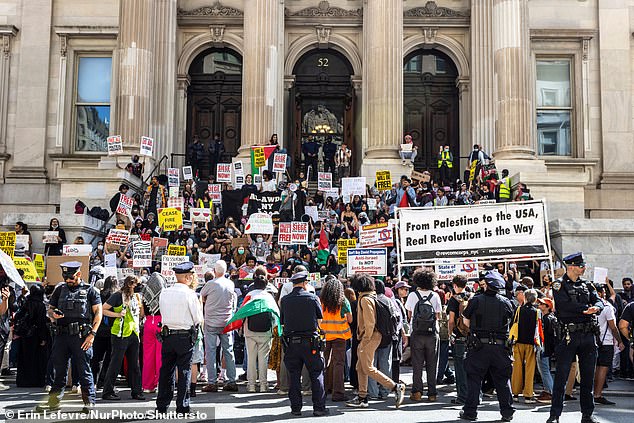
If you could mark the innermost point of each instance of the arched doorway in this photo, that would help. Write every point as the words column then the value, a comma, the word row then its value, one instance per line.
column 214, row 101
column 431, row 105
column 322, row 103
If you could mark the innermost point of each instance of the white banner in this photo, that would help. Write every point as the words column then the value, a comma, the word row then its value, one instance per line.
column 293, row 233
column 215, row 192
column 372, row 261
column 238, row 168
column 142, row 254
column 485, row 231
column 167, row 264
column 119, row 237
column 147, row 146
column 77, row 250
column 445, row 271
column 312, row 212
column 353, row 186
column 50, row 237
column 208, row 260
column 125, row 205
column 259, row 223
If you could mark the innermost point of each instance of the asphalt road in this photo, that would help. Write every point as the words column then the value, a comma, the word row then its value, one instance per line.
column 269, row 407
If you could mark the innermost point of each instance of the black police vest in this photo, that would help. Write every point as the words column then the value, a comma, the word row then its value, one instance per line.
column 488, row 317
column 578, row 294
column 74, row 304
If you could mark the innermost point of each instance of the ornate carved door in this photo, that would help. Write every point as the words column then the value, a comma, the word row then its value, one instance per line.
column 431, row 107
column 214, row 102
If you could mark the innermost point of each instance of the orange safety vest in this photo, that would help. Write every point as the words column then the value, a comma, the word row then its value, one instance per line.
column 335, row 326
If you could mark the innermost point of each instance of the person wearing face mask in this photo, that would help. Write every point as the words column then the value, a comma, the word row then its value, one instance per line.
column 260, row 247
column 97, row 257
column 185, row 240
column 55, row 249
column 445, row 164
column 240, row 256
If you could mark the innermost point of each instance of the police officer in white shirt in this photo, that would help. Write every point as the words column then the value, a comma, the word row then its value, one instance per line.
column 181, row 313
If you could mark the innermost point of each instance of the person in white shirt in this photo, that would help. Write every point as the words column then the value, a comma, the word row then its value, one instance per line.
column 220, row 301
column 424, row 340
column 181, row 312
column 609, row 336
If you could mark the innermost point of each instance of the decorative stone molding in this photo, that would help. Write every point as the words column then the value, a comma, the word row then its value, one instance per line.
column 432, row 10
column 429, row 34
column 7, row 32
column 323, row 35
column 63, row 44
column 585, row 49
column 217, row 33
column 324, row 10
column 217, row 10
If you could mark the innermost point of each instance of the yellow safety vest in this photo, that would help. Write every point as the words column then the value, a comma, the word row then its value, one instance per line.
column 505, row 190
column 201, row 205
column 335, row 326
column 444, row 157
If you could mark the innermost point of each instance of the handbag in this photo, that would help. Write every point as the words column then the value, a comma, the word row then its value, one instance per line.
column 515, row 328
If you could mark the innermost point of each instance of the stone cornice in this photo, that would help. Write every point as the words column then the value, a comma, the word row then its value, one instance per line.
column 210, row 14
column 432, row 10
column 8, row 30
column 325, row 14
column 562, row 34
column 87, row 31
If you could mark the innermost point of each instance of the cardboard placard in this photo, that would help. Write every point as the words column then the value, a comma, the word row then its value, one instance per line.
column 223, row 172
column 315, row 280
column 147, row 146
column 383, row 180
column 167, row 266
column 125, row 205
column 353, row 186
column 239, row 242
column 342, row 249
column 77, row 250
column 259, row 223
column 115, row 145
column 173, row 177
column 7, row 243
column 421, row 176
column 142, row 254
column 174, row 192
column 159, row 247
column 238, row 168
column 371, row 202
column 54, row 271
column 50, row 237
column 407, row 147
column 215, row 192
column 259, row 159
column 188, row 173
column 40, row 264
column 200, row 215
column 22, row 239
column 372, row 261
column 299, row 233
column 324, row 181
column 279, row 163
column 377, row 235
column 208, row 260
column 312, row 212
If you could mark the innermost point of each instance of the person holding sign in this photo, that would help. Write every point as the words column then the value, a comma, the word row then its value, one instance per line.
column 408, row 151
column 55, row 248
column 445, row 163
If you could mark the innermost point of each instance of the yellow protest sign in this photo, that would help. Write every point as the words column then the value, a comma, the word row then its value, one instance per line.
column 176, row 250
column 170, row 219
column 383, row 180
column 28, row 267
column 342, row 249
column 39, row 264
column 258, row 157
column 7, row 242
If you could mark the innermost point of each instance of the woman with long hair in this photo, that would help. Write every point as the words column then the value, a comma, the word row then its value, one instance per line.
column 125, row 308
column 336, row 324
column 55, row 249
column 30, row 326
column 101, row 346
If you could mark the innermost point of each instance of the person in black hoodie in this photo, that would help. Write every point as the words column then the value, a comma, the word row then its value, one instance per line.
column 31, row 326
column 55, row 249
column 101, row 347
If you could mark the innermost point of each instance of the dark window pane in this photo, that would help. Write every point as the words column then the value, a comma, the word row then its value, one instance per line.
column 93, row 81
column 553, row 133
column 93, row 127
column 222, row 62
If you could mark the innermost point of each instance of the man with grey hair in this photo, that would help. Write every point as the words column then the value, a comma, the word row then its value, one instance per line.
column 527, row 316
column 219, row 299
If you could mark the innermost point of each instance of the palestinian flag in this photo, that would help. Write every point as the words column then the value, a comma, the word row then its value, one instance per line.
column 261, row 302
column 260, row 153
column 323, row 253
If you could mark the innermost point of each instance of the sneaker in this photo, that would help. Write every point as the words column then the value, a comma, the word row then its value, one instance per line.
column 358, row 402
column 48, row 388
column 529, row 400
column 553, row 419
column 399, row 394
column 589, row 418
column 242, row 377
column 569, row 398
column 139, row 397
column 465, row 416
column 296, row 412
column 545, row 398
column 3, row 387
column 603, row 400
column 321, row 413
column 415, row 396
column 506, row 418
column 6, row 372
column 282, row 392
column 230, row 387
column 432, row 398
column 251, row 389
column 212, row 387
column 88, row 408
column 403, row 162
column 264, row 387
column 75, row 389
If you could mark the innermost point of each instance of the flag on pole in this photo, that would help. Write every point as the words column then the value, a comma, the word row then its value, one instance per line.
column 259, row 156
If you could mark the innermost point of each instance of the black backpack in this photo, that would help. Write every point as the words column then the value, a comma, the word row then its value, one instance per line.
column 424, row 316
column 22, row 323
column 260, row 322
column 386, row 321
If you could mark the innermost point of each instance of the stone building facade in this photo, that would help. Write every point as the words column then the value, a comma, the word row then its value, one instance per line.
column 544, row 85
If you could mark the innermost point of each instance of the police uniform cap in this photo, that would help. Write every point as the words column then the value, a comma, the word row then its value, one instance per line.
column 494, row 280
column 299, row 277
column 575, row 259
column 70, row 267
column 182, row 268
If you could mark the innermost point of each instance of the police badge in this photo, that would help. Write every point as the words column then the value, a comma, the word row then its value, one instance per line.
column 556, row 286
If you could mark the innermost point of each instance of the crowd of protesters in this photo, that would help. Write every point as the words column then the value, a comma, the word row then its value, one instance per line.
column 427, row 312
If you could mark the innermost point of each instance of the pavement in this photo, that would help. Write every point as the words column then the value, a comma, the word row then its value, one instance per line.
column 269, row 407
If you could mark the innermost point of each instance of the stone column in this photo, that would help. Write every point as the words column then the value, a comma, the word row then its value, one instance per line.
column 7, row 32
column 514, row 130
column 135, row 70
column 31, row 118
column 259, row 72
column 482, row 75
column 162, row 123
column 383, row 91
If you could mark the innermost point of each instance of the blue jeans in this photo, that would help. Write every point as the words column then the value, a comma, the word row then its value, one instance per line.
column 543, row 365
column 443, row 362
column 383, row 362
column 459, row 349
column 226, row 343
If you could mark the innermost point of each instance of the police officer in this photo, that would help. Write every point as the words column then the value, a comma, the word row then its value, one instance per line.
column 330, row 150
column 311, row 155
column 76, row 308
column 576, row 304
column 301, row 314
column 181, row 313
column 488, row 317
